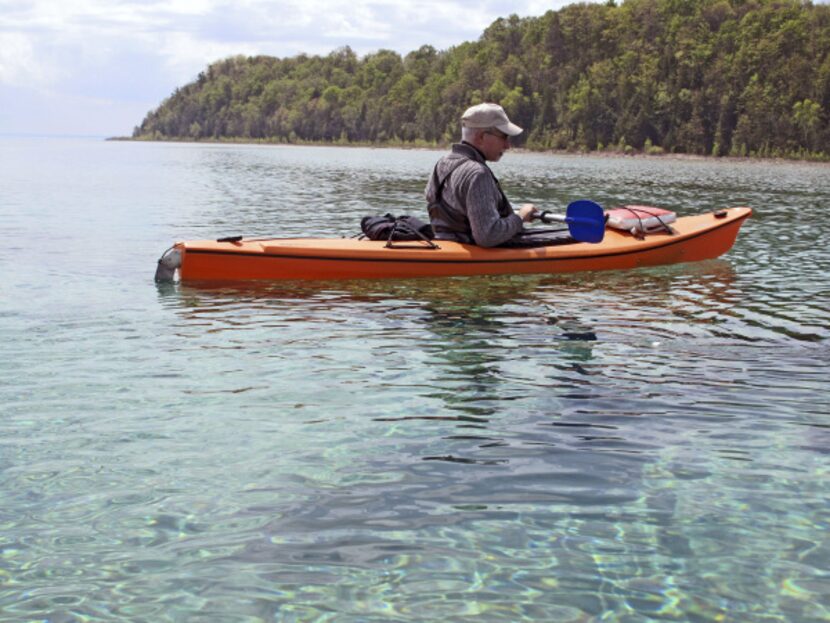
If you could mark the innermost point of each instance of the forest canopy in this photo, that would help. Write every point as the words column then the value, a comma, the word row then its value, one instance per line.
column 711, row 77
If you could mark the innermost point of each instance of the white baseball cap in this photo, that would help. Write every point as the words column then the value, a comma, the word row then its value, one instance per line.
column 489, row 116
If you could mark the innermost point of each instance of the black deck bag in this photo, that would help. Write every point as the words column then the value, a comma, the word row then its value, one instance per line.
column 390, row 227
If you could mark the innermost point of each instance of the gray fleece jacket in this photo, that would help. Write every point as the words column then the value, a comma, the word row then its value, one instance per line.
column 471, row 207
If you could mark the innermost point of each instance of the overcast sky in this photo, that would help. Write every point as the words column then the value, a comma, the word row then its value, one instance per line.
column 96, row 67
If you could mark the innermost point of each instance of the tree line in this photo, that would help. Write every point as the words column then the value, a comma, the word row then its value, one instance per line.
column 710, row 77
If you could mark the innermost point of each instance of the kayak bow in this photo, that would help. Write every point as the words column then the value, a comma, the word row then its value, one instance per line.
column 693, row 238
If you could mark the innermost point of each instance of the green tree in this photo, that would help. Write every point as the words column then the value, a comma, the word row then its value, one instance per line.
column 698, row 76
column 807, row 116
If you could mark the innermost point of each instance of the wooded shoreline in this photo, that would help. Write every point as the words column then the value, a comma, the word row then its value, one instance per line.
column 822, row 159
column 703, row 77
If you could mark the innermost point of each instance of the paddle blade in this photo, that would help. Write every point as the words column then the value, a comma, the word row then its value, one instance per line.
column 586, row 221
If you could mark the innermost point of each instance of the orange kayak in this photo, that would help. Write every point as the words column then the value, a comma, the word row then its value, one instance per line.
column 693, row 238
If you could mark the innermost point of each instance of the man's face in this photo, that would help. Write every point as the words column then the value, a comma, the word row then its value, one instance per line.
column 493, row 143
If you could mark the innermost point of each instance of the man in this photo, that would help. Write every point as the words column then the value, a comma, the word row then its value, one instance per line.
column 466, row 203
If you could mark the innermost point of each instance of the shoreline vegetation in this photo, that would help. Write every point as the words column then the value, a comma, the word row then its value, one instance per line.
column 722, row 78
column 612, row 151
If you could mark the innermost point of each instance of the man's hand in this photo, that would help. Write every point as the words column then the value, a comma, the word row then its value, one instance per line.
column 527, row 211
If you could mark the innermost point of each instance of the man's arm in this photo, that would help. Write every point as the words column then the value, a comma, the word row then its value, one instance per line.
column 489, row 228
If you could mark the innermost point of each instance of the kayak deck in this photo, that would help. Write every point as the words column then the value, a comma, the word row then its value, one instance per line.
column 695, row 238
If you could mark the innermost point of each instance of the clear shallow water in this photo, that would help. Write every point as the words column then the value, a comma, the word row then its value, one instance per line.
column 636, row 446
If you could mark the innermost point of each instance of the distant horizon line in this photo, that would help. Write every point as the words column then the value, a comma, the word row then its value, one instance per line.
column 48, row 135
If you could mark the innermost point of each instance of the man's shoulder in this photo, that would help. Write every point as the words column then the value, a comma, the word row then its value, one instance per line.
column 465, row 164
column 468, row 151
column 460, row 173
column 456, row 160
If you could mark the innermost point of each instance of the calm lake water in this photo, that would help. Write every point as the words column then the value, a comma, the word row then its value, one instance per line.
column 620, row 447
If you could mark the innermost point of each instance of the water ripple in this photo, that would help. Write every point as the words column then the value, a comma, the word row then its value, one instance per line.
column 645, row 445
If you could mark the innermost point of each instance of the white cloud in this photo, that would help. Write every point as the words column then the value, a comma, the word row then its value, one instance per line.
column 119, row 54
column 18, row 64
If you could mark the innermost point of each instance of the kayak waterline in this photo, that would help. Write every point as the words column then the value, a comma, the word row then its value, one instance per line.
column 689, row 239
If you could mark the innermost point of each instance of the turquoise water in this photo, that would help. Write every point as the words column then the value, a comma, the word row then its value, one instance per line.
column 621, row 447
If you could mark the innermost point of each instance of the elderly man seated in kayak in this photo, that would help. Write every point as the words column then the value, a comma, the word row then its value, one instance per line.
column 466, row 202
